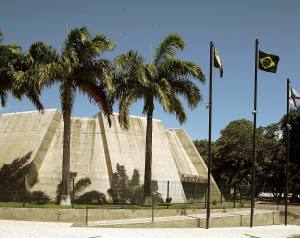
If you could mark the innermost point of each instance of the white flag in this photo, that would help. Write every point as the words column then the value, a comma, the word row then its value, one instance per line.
column 294, row 98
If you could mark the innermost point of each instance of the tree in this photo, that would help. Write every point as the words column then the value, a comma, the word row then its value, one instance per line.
column 271, row 172
column 164, row 81
column 232, row 160
column 78, row 67
column 202, row 147
column 294, row 122
column 16, row 70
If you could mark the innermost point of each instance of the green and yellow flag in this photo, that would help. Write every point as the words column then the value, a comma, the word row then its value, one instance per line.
column 217, row 62
column 268, row 62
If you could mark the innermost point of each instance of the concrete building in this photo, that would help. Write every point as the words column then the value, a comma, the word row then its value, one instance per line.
column 96, row 149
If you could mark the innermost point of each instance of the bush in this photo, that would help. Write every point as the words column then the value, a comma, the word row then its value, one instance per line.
column 130, row 191
column 242, row 203
column 38, row 197
column 91, row 198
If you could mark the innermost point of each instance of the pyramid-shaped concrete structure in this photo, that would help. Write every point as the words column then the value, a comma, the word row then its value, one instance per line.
column 96, row 149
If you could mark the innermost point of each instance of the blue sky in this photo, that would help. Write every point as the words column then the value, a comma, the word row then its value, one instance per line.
column 232, row 25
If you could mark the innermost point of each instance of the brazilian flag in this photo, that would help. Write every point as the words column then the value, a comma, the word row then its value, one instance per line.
column 268, row 62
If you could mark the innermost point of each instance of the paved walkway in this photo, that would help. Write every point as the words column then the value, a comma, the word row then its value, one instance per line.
column 173, row 218
column 26, row 229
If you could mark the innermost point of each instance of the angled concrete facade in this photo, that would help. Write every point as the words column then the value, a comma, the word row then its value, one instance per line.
column 96, row 149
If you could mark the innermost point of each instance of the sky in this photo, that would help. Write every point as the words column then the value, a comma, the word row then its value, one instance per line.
column 233, row 26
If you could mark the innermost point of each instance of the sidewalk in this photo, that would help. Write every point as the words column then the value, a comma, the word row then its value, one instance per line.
column 25, row 229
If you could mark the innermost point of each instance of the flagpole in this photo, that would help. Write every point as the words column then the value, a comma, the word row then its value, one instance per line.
column 209, row 135
column 287, row 150
column 254, row 137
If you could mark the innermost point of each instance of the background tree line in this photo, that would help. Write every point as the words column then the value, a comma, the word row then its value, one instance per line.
column 232, row 155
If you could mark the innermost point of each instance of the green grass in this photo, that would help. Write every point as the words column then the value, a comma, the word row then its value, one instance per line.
column 225, row 205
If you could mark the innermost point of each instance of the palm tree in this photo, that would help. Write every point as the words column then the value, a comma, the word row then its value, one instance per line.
column 16, row 69
column 164, row 81
column 78, row 67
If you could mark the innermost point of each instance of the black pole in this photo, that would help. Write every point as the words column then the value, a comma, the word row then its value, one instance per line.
column 24, row 191
column 168, row 189
column 73, row 191
column 234, row 195
column 254, row 137
column 209, row 135
column 287, row 150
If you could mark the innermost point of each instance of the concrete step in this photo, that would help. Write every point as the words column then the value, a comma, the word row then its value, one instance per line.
column 229, row 219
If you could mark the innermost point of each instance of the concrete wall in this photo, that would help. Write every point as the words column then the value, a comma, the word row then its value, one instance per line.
column 96, row 149
column 195, row 219
column 197, row 160
column 128, row 148
column 87, row 157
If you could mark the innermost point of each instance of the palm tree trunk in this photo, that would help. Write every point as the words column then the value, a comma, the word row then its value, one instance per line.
column 65, row 188
column 148, row 159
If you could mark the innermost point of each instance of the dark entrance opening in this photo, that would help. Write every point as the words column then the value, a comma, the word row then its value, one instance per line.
column 194, row 191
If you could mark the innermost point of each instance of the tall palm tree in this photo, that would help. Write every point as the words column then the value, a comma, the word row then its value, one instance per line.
column 15, row 70
column 165, row 81
column 78, row 67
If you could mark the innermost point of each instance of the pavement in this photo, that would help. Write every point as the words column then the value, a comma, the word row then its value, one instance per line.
column 174, row 218
column 29, row 229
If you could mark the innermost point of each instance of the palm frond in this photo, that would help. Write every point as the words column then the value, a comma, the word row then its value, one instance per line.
column 42, row 53
column 131, row 64
column 178, row 109
column 188, row 90
column 175, row 68
column 33, row 96
column 126, row 101
column 163, row 93
column 25, row 85
column 101, row 43
column 81, row 184
column 168, row 48
column 13, row 48
column 98, row 94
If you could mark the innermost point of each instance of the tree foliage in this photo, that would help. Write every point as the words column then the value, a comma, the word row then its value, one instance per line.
column 294, row 132
column 17, row 70
column 232, row 156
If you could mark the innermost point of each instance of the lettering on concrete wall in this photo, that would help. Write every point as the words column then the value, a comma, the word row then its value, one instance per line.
column 193, row 178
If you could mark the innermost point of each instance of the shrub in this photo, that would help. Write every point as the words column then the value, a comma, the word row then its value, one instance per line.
column 91, row 198
column 242, row 203
column 38, row 197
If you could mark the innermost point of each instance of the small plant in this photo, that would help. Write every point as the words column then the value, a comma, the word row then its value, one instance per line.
column 91, row 198
column 38, row 197
column 242, row 203
column 214, row 202
column 130, row 191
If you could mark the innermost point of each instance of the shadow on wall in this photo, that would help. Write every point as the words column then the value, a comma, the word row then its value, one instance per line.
column 16, row 180
column 129, row 191
column 78, row 197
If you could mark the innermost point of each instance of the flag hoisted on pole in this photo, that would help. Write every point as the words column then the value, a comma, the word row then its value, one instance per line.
column 217, row 62
column 214, row 56
column 265, row 62
column 294, row 97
